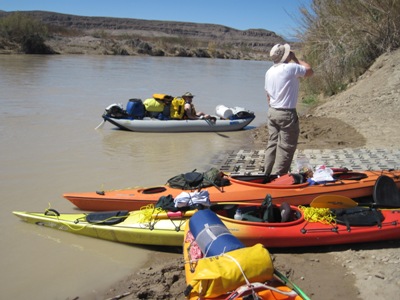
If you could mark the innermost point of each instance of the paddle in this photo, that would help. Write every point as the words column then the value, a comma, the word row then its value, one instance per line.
column 209, row 122
column 333, row 201
column 292, row 285
column 336, row 201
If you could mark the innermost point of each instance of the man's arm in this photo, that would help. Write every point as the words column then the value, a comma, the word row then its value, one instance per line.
column 309, row 70
column 188, row 112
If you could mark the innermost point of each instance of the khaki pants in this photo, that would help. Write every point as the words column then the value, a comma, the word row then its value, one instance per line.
column 284, row 129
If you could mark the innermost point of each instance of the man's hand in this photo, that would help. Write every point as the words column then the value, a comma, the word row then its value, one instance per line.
column 293, row 57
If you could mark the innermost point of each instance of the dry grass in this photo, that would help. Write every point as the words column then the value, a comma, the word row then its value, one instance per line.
column 341, row 38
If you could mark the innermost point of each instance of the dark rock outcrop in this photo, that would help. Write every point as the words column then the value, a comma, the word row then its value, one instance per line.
column 123, row 36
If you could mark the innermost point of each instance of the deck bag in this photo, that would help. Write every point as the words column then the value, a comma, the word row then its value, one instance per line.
column 166, row 203
column 135, row 108
column 115, row 110
column 107, row 217
column 358, row 216
column 195, row 180
column 212, row 236
column 177, row 109
column 216, row 275
column 241, row 113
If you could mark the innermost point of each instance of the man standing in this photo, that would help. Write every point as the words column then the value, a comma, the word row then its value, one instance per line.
column 282, row 88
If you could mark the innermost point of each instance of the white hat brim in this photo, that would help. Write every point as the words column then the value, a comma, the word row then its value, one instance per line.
column 286, row 54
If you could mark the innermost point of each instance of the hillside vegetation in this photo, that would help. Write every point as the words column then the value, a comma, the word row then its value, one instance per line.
column 341, row 39
column 69, row 34
column 23, row 34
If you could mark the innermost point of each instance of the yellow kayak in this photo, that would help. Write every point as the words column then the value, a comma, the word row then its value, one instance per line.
column 145, row 227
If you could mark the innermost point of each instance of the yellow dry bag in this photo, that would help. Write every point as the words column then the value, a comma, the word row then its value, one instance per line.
column 217, row 275
column 163, row 97
column 177, row 108
column 153, row 105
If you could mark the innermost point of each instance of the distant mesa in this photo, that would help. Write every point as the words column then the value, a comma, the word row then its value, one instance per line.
column 71, row 34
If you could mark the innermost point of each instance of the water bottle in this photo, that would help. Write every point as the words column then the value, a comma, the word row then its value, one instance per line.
column 238, row 214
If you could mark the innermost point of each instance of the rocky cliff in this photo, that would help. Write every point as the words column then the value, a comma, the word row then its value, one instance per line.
column 123, row 36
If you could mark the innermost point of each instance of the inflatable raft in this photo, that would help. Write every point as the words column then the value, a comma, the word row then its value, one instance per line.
column 200, row 125
column 166, row 114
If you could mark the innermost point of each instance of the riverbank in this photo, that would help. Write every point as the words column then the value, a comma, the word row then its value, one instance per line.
column 363, row 116
column 72, row 34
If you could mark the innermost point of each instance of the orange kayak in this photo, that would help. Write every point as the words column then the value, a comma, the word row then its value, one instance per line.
column 241, row 189
column 348, row 226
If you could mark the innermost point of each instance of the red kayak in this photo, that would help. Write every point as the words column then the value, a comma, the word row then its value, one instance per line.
column 286, row 188
column 300, row 227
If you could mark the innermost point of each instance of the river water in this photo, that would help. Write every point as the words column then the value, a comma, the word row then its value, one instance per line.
column 49, row 107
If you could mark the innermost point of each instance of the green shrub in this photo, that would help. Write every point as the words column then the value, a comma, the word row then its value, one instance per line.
column 310, row 99
column 25, row 31
column 341, row 38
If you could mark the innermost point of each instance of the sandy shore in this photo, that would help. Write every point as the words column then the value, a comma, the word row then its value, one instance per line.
column 364, row 116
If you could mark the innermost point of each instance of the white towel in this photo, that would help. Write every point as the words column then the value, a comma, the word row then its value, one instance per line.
column 187, row 199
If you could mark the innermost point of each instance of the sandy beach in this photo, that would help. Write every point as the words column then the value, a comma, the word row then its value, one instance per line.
column 363, row 116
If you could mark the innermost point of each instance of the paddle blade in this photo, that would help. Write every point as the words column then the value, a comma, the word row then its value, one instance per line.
column 333, row 201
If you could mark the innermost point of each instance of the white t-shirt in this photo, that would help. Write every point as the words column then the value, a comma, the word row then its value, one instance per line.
column 282, row 84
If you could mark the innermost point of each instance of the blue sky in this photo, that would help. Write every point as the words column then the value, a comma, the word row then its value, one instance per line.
column 280, row 16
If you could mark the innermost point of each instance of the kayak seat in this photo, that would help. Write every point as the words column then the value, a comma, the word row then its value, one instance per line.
column 386, row 193
column 285, row 212
column 107, row 217
column 269, row 215
column 281, row 214
column 276, row 214
column 297, row 178
column 266, row 212
column 252, row 214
